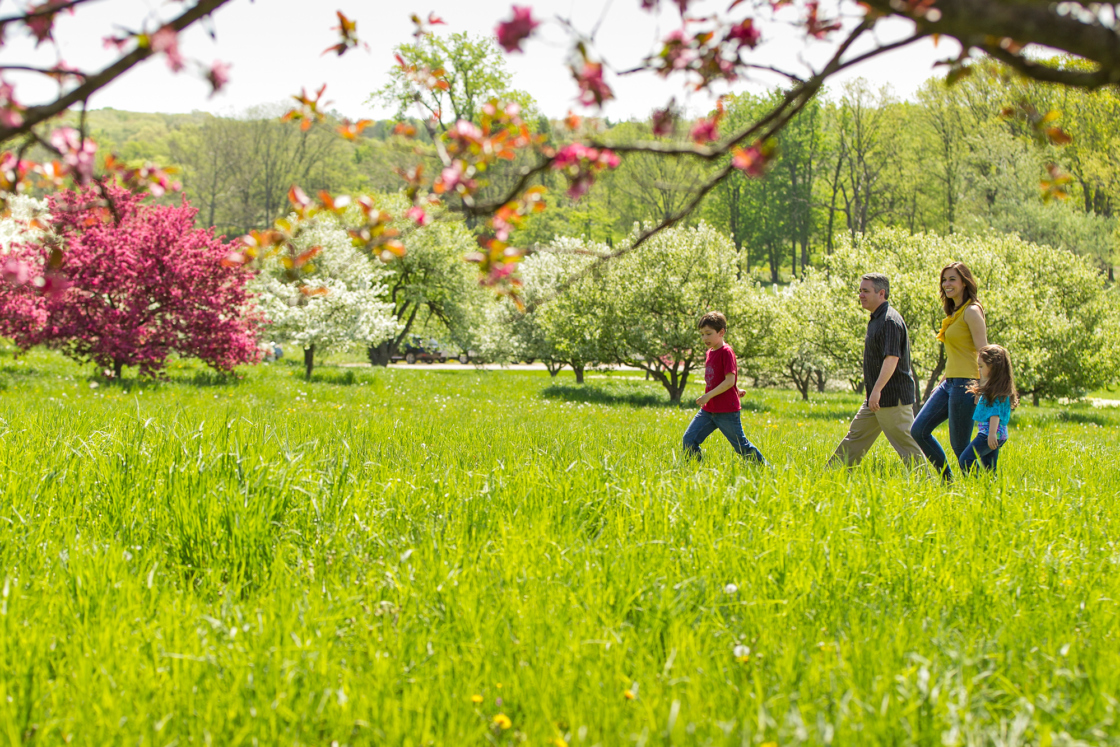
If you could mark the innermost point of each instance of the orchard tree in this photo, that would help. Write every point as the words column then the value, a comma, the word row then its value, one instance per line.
column 569, row 301
column 655, row 295
column 327, row 296
column 430, row 282
column 716, row 44
column 1048, row 307
column 129, row 286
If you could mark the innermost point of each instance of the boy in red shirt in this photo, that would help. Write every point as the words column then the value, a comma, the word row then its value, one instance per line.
column 719, row 404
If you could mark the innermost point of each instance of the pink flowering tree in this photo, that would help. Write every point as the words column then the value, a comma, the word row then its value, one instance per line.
column 129, row 286
column 718, row 43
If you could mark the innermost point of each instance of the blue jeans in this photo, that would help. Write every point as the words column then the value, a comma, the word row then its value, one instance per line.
column 949, row 401
column 729, row 424
column 979, row 449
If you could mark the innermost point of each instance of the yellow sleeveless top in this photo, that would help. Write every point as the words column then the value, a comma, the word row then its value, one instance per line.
column 960, row 350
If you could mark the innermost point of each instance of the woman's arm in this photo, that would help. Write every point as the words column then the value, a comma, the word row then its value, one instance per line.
column 974, row 318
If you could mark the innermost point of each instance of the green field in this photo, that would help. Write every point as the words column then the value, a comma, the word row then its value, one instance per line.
column 410, row 557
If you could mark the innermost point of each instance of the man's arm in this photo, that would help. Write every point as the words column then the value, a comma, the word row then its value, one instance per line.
column 727, row 383
column 890, row 363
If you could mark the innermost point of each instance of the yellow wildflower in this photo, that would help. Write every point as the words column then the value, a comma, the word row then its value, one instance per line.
column 476, row 699
column 502, row 721
column 558, row 742
column 629, row 694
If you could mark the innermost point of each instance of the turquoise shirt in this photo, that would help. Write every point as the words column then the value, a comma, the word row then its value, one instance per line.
column 1001, row 408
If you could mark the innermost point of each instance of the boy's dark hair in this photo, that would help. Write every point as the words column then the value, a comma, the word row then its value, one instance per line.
column 879, row 282
column 713, row 320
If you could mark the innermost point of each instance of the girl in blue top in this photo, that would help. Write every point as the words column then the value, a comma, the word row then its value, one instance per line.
column 995, row 397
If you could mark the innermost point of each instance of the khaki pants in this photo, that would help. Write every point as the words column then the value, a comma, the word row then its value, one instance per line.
column 894, row 423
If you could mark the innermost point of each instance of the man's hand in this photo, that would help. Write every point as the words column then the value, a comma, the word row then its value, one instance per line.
column 703, row 399
column 993, row 441
column 873, row 400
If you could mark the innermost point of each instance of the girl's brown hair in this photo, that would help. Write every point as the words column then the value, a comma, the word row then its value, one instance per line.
column 1001, row 379
column 970, row 292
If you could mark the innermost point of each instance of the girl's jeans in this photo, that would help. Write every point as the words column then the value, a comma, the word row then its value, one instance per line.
column 979, row 449
column 949, row 401
column 729, row 424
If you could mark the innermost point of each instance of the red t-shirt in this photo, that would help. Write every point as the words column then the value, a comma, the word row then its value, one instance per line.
column 718, row 364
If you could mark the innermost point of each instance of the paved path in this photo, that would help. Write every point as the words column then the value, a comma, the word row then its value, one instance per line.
column 455, row 366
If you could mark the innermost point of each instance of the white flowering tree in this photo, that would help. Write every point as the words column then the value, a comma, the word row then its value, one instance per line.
column 563, row 293
column 430, row 285
column 23, row 221
column 326, row 298
column 656, row 294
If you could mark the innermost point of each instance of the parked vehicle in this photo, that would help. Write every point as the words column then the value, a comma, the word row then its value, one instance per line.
column 419, row 350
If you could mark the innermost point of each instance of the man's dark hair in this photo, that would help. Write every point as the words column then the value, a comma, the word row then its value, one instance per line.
column 713, row 320
column 880, row 282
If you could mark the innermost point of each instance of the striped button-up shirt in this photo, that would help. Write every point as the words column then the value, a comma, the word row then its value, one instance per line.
column 887, row 335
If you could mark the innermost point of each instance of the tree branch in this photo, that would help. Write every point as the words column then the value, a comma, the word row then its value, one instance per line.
column 37, row 114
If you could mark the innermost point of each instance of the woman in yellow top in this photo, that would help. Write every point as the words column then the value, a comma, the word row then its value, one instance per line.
column 963, row 332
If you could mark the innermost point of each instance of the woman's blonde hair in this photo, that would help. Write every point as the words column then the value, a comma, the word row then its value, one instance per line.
column 1001, row 378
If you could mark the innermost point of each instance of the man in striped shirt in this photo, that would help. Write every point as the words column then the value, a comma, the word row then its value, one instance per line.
column 888, row 408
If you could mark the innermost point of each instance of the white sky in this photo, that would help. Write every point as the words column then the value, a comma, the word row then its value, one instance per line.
column 275, row 48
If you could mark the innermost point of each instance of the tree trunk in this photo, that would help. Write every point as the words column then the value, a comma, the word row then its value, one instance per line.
column 553, row 367
column 1034, row 398
column 118, row 368
column 579, row 372
column 822, row 379
column 380, row 355
column 308, row 360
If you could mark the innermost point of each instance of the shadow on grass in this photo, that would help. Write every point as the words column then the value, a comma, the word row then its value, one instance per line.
column 349, row 377
column 620, row 394
column 1051, row 417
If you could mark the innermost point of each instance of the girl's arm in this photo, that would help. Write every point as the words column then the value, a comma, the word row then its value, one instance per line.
column 974, row 318
column 993, row 431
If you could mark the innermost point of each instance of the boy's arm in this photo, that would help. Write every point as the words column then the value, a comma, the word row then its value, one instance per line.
column 727, row 383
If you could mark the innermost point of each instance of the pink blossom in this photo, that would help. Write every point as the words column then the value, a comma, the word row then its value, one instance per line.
column 704, row 131
column 166, row 40
column 130, row 292
column 15, row 271
column 9, row 108
column 664, row 122
column 512, row 32
column 417, row 214
column 77, row 155
column 218, row 76
column 746, row 33
column 752, row 161
column 592, row 88
column 466, row 130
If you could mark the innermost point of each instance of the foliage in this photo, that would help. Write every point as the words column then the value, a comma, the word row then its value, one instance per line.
column 430, row 285
column 565, row 295
column 1048, row 306
column 133, row 285
column 656, row 294
column 329, row 298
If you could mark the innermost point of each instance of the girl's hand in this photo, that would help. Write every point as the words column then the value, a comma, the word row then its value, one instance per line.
column 993, row 442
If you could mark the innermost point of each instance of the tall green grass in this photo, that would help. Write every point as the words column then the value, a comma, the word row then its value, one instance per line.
column 361, row 558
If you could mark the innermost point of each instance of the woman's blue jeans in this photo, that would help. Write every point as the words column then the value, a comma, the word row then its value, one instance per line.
column 949, row 401
column 729, row 424
column 979, row 450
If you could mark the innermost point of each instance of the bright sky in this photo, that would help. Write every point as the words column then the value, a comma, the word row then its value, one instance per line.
column 275, row 48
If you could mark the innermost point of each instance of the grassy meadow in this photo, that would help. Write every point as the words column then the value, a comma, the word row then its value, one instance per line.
column 412, row 557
